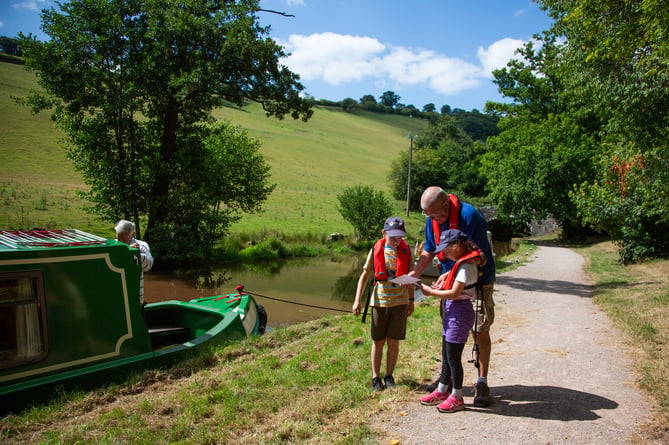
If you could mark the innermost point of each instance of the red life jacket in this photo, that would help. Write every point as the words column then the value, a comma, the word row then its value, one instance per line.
column 453, row 222
column 466, row 258
column 403, row 259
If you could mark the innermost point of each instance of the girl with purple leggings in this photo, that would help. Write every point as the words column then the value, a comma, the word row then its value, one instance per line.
column 457, row 289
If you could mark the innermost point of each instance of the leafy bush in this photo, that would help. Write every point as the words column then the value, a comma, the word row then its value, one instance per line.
column 259, row 252
column 366, row 209
column 275, row 249
column 620, row 204
column 302, row 250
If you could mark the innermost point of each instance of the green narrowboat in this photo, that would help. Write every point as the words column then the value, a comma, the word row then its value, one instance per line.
column 70, row 315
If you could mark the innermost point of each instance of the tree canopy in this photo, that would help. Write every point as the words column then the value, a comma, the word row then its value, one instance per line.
column 429, row 108
column 368, row 98
column 133, row 83
column 443, row 154
column 618, row 57
column 478, row 126
column 588, row 123
column 390, row 99
column 10, row 46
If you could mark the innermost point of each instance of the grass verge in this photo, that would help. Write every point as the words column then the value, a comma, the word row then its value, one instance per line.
column 636, row 299
column 306, row 383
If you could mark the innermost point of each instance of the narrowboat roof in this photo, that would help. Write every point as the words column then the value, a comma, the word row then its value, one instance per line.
column 11, row 240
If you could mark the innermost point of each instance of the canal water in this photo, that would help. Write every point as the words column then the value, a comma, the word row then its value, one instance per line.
column 288, row 290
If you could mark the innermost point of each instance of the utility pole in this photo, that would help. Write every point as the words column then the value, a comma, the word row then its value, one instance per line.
column 409, row 173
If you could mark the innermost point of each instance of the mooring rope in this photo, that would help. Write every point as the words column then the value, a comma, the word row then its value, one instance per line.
column 294, row 302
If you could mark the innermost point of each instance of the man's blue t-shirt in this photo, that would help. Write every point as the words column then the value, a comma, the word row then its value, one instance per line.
column 474, row 225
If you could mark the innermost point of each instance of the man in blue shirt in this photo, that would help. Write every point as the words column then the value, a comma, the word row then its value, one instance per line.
column 445, row 211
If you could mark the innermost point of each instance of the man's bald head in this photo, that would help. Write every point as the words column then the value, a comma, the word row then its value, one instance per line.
column 431, row 196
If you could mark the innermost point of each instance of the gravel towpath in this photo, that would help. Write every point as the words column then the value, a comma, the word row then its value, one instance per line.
column 561, row 373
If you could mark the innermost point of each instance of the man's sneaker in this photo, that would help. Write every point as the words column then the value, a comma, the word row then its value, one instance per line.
column 451, row 405
column 434, row 398
column 377, row 384
column 389, row 381
column 482, row 397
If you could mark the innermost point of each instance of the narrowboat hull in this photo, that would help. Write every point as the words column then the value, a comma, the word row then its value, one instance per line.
column 70, row 316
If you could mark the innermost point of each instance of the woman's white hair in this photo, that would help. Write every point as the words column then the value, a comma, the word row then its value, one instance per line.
column 124, row 226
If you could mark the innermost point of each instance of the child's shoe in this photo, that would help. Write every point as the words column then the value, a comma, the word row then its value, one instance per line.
column 377, row 384
column 434, row 398
column 451, row 405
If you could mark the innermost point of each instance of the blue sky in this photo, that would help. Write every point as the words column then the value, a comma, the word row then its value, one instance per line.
column 426, row 51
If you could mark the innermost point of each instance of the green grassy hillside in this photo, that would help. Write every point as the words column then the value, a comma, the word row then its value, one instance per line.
column 311, row 163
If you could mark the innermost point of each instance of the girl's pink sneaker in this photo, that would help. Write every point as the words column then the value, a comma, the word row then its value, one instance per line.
column 434, row 398
column 451, row 405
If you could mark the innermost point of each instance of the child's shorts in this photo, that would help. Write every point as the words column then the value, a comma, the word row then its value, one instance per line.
column 389, row 322
column 458, row 320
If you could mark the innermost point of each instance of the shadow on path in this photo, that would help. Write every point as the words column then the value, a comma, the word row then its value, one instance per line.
column 545, row 402
column 550, row 286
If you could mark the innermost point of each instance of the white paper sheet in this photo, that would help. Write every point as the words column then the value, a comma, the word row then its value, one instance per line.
column 405, row 279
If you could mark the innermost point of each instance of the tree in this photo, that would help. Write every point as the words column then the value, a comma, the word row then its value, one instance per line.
column 533, row 81
column 445, row 109
column 390, row 99
column 133, row 83
column 429, row 108
column 477, row 125
column 349, row 104
column 407, row 110
column 593, row 90
column 443, row 155
column 366, row 209
column 616, row 68
column 445, row 127
column 547, row 142
column 368, row 98
column 10, row 46
column 532, row 167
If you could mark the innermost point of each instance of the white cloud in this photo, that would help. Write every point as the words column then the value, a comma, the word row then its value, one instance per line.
column 2, row 24
column 498, row 54
column 443, row 74
column 32, row 5
column 337, row 59
column 334, row 58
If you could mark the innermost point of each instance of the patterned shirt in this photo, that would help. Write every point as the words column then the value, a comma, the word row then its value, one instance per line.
column 387, row 294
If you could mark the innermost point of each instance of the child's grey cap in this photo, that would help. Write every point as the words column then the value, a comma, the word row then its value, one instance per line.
column 450, row 236
column 394, row 226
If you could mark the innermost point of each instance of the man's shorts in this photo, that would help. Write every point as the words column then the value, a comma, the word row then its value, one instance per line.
column 389, row 322
column 485, row 309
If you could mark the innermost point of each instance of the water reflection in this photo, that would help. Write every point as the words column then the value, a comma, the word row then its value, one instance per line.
column 320, row 282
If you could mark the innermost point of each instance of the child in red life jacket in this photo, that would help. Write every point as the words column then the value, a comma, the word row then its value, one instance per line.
column 391, row 303
column 457, row 290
